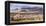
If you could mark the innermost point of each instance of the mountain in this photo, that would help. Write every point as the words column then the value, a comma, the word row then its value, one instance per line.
column 29, row 9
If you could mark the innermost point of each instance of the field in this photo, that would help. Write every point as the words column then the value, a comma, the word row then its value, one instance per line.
column 25, row 17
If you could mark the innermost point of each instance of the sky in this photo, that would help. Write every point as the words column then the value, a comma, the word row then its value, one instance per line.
column 13, row 6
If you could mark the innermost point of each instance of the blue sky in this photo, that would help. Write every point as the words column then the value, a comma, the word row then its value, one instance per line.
column 16, row 5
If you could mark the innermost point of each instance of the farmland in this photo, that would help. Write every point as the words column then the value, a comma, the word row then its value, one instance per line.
column 25, row 17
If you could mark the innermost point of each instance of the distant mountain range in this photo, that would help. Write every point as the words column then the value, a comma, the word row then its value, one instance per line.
column 29, row 9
